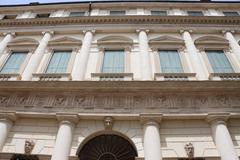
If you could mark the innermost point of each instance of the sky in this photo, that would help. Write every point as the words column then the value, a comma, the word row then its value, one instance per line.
column 6, row 2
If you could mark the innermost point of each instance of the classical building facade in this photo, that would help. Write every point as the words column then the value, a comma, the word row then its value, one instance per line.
column 110, row 80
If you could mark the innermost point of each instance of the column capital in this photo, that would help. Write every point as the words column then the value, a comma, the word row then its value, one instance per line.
column 8, row 116
column 90, row 30
column 186, row 30
column 217, row 117
column 226, row 31
column 50, row 32
column 67, row 118
column 10, row 33
column 143, row 29
column 151, row 118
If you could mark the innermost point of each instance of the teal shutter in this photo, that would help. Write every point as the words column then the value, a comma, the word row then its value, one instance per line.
column 59, row 62
column 113, row 62
column 219, row 62
column 170, row 61
column 14, row 62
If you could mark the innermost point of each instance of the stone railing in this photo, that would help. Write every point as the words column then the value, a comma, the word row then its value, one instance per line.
column 112, row 76
column 175, row 76
column 225, row 76
column 10, row 77
column 51, row 77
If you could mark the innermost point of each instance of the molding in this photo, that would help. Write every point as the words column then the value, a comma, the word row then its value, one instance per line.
column 50, row 32
column 142, row 29
column 92, row 31
column 11, row 33
column 128, row 19
column 10, row 116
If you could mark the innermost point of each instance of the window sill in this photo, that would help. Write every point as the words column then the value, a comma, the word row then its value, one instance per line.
column 10, row 76
column 174, row 76
column 52, row 77
column 225, row 76
column 112, row 76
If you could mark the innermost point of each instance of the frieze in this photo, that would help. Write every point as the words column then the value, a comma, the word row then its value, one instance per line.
column 164, row 103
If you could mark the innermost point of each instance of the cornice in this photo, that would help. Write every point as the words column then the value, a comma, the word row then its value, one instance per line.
column 123, row 86
column 211, row 20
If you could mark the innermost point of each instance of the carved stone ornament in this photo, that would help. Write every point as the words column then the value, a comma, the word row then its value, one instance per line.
column 108, row 123
column 189, row 150
column 29, row 145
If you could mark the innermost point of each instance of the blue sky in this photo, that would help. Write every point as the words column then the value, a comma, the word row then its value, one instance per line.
column 5, row 2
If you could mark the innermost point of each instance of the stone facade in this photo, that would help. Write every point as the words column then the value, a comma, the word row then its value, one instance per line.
column 156, row 113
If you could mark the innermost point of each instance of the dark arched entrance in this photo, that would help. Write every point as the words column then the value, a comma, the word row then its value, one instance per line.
column 107, row 147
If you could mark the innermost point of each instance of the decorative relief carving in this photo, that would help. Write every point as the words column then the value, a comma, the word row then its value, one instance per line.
column 124, row 103
column 108, row 123
column 60, row 101
column 189, row 150
column 29, row 145
column 4, row 99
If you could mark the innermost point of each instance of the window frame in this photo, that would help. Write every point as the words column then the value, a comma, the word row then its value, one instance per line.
column 195, row 12
column 125, row 12
column 84, row 13
column 159, row 11
column 223, row 12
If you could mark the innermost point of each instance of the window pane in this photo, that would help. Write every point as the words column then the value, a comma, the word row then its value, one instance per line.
column 159, row 13
column 117, row 13
column 231, row 13
column 76, row 14
column 113, row 62
column 59, row 62
column 195, row 13
column 170, row 61
column 14, row 62
column 219, row 62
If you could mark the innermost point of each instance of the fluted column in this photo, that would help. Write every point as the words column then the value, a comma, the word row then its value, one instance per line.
column 233, row 43
column 146, row 73
column 6, row 122
column 222, row 136
column 36, row 57
column 194, row 56
column 63, row 142
column 151, row 137
column 81, row 61
column 3, row 44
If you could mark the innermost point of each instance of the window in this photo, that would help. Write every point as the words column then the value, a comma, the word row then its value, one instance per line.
column 219, row 62
column 159, row 13
column 14, row 62
column 170, row 61
column 10, row 17
column 43, row 15
column 76, row 14
column 117, row 13
column 195, row 13
column 231, row 13
column 59, row 62
column 113, row 61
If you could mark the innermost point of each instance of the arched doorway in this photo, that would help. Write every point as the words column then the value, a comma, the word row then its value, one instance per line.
column 107, row 147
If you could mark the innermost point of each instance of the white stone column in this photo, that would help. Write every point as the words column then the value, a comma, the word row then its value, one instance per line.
column 222, row 136
column 194, row 56
column 3, row 44
column 36, row 57
column 233, row 43
column 64, row 137
column 151, row 137
column 81, row 61
column 146, row 73
column 6, row 122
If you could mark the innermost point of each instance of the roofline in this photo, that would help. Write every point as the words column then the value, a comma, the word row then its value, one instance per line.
column 117, row 1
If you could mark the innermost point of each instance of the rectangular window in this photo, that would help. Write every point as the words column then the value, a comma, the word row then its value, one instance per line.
column 117, row 13
column 159, row 13
column 14, row 62
column 10, row 17
column 219, row 62
column 170, row 61
column 59, row 62
column 195, row 13
column 43, row 15
column 76, row 14
column 113, row 62
column 231, row 13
